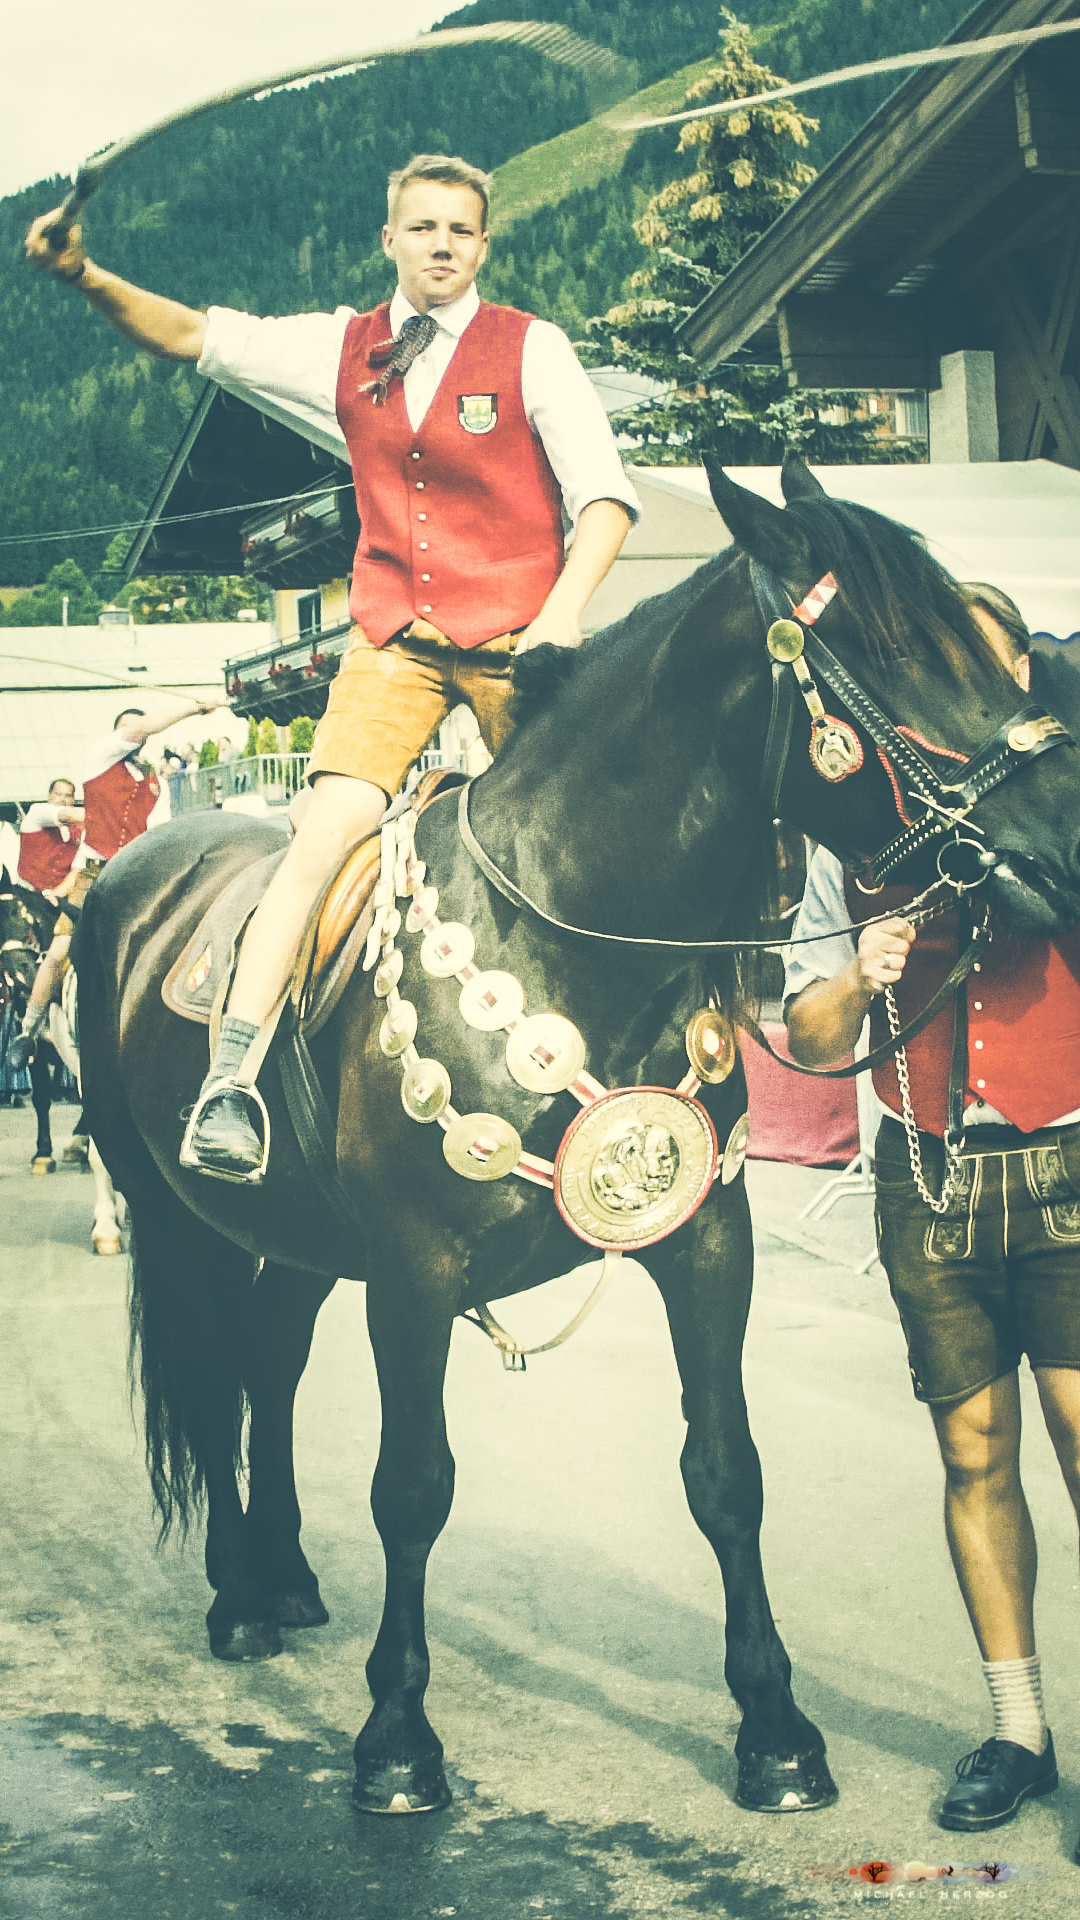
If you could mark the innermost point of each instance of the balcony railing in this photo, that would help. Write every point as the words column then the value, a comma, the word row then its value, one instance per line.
column 275, row 778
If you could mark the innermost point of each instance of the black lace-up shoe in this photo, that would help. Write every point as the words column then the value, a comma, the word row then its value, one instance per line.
column 223, row 1140
column 992, row 1782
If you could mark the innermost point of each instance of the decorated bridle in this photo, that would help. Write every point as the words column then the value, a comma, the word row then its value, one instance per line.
column 836, row 750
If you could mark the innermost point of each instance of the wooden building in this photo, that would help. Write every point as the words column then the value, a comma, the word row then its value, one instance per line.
column 940, row 250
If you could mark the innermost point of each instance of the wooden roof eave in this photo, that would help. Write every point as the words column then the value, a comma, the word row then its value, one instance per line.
column 892, row 147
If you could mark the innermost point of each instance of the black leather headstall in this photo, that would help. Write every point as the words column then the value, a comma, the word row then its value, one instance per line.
column 948, row 803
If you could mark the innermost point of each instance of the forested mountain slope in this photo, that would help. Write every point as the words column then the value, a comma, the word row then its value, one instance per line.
column 274, row 204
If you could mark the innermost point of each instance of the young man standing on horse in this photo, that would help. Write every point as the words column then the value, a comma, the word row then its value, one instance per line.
column 119, row 795
column 472, row 428
column 996, row 1272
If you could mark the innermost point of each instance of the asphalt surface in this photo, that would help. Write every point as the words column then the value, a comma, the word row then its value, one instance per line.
column 575, row 1620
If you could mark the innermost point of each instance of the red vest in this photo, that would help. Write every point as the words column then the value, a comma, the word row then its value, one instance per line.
column 1023, row 1020
column 45, row 857
column 117, row 808
column 461, row 521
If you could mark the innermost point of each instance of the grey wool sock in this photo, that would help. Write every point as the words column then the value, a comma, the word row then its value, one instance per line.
column 234, row 1039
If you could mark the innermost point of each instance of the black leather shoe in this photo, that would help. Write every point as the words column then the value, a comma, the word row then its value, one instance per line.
column 224, row 1141
column 992, row 1782
column 21, row 1052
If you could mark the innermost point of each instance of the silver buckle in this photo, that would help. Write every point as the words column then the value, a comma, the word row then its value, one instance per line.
column 188, row 1156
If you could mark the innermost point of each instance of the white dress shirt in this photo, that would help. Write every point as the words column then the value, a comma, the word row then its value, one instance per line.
column 297, row 358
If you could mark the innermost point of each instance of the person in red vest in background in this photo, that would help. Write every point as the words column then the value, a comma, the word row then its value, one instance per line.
column 473, row 430
column 49, row 838
column 994, row 1272
column 120, row 792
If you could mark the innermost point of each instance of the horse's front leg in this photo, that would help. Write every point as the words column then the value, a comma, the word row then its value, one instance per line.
column 281, row 1321
column 41, row 1090
column 705, row 1275
column 398, row 1756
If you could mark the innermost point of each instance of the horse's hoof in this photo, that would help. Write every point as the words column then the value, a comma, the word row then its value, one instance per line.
column 419, row 1788
column 300, row 1610
column 768, row 1784
column 77, row 1151
column 41, row 1164
column 246, row 1640
column 106, row 1243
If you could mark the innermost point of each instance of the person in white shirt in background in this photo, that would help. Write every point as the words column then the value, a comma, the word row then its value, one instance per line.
column 462, row 496
column 119, row 794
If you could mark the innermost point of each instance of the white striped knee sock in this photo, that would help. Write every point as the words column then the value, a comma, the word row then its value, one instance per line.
column 1016, row 1695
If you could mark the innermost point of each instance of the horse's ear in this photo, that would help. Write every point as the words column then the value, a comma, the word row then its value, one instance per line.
column 763, row 531
column 797, row 480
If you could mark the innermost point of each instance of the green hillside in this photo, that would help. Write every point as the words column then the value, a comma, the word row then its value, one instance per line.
column 274, row 205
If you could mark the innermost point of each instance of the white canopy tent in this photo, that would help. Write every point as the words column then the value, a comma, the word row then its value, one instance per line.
column 1014, row 524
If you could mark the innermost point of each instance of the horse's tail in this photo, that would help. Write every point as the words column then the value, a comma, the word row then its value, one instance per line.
column 190, row 1296
column 190, row 1288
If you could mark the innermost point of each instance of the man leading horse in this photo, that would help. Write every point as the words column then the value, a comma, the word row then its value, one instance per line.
column 472, row 429
column 983, row 1264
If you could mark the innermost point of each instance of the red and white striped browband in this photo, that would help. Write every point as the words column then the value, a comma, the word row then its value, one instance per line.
column 816, row 601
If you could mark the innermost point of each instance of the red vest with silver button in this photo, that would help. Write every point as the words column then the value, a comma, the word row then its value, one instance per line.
column 461, row 521
column 117, row 807
column 1023, row 1020
column 45, row 857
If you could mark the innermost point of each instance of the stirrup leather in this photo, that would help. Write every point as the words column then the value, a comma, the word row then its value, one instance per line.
column 190, row 1159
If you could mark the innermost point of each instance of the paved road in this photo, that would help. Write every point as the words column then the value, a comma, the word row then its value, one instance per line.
column 575, row 1621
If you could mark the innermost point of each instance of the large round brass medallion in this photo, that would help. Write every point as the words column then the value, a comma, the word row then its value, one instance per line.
column 633, row 1166
column 545, row 1053
column 481, row 1146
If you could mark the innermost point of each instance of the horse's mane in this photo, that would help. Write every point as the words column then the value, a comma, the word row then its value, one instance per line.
column 900, row 596
column 902, row 600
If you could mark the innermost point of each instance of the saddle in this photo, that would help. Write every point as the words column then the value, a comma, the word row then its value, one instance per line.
column 197, row 984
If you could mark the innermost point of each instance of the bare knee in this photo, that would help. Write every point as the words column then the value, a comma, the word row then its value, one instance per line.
column 980, row 1439
column 340, row 813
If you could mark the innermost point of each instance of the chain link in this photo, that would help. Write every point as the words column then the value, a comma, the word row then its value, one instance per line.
column 952, row 1158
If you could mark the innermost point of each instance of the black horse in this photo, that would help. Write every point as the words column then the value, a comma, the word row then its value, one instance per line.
column 629, row 807
column 26, row 927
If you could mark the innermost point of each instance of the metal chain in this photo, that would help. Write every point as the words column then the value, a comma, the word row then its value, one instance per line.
column 952, row 1159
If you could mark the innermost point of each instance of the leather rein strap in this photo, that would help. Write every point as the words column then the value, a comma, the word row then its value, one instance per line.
column 888, row 1048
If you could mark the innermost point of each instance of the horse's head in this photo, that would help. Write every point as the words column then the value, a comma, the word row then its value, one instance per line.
column 900, row 627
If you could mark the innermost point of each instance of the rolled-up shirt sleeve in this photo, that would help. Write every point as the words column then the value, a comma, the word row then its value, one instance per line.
column 565, row 410
column 823, row 910
column 295, row 358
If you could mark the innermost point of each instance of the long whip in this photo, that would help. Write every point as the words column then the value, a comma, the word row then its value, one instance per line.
column 868, row 69
column 556, row 43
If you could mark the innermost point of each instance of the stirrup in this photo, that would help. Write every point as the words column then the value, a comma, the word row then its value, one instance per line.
column 190, row 1159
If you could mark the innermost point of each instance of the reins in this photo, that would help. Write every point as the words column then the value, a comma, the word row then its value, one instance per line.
column 519, row 898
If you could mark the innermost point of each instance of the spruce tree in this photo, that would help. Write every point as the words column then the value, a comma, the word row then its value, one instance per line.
column 744, row 170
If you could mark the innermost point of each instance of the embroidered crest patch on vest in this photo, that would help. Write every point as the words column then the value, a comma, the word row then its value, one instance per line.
column 478, row 412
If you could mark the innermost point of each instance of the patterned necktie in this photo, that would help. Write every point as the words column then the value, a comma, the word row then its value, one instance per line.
column 397, row 356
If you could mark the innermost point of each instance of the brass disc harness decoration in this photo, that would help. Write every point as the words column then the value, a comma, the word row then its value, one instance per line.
column 835, row 748
column 633, row 1165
